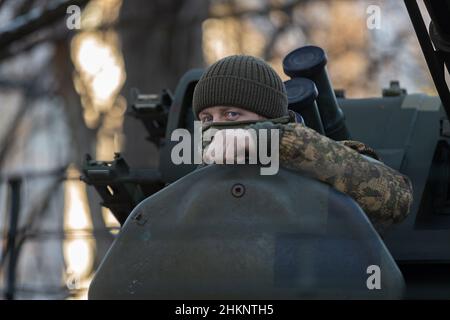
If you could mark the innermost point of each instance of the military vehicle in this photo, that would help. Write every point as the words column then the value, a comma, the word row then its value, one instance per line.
column 226, row 232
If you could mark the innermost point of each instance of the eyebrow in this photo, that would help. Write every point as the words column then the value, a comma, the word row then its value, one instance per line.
column 231, row 108
column 220, row 109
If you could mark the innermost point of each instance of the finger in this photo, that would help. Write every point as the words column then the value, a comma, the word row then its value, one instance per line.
column 207, row 155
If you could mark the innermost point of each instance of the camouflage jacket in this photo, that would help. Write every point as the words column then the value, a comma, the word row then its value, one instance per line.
column 350, row 167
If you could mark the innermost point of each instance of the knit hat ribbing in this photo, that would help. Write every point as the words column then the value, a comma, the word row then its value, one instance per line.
column 241, row 81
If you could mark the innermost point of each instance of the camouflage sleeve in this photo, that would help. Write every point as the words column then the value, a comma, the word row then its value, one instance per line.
column 384, row 194
column 361, row 148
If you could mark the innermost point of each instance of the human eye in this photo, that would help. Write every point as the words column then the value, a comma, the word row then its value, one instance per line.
column 231, row 115
column 206, row 118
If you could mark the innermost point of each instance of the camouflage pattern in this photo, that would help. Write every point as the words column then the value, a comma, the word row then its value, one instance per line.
column 361, row 148
column 383, row 193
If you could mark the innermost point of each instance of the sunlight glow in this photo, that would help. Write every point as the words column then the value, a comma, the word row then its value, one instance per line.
column 100, row 69
column 78, row 249
column 98, row 78
column 110, row 220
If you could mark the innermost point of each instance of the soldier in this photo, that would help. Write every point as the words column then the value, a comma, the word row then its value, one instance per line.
column 243, row 88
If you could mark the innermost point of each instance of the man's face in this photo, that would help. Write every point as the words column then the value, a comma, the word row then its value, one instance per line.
column 224, row 113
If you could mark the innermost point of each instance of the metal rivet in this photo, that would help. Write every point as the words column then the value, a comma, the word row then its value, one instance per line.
column 140, row 218
column 238, row 190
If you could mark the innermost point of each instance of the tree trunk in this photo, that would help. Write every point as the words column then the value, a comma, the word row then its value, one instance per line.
column 161, row 40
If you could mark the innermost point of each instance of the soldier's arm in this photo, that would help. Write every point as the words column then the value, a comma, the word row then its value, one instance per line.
column 382, row 192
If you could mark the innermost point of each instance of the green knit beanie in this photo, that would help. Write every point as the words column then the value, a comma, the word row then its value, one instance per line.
column 241, row 81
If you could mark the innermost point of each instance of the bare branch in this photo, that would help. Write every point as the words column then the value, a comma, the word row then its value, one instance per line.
column 32, row 41
column 11, row 132
column 25, row 7
column 34, row 20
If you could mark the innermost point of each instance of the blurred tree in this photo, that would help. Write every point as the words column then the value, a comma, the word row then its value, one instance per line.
column 160, row 41
column 47, row 133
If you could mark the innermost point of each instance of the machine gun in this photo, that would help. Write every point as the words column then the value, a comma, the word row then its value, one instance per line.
column 120, row 187
column 152, row 110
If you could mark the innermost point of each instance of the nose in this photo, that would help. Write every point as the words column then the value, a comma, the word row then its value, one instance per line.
column 217, row 118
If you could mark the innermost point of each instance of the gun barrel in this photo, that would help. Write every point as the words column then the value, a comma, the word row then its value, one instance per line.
column 310, row 62
column 302, row 94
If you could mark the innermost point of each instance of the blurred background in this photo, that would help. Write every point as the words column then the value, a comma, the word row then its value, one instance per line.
column 64, row 89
